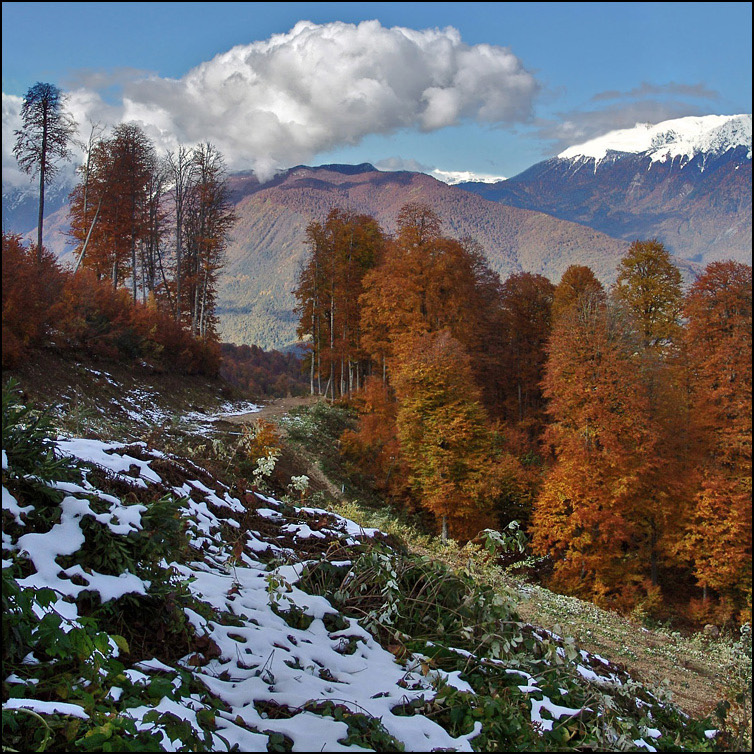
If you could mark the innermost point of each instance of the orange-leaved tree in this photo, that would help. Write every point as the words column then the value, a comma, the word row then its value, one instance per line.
column 598, row 514
column 341, row 251
column 425, row 283
column 577, row 281
column 526, row 321
column 718, row 308
column 455, row 468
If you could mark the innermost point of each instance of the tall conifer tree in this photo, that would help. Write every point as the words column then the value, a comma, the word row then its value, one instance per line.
column 43, row 140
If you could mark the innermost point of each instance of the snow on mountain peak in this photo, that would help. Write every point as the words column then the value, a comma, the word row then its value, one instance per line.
column 681, row 137
column 452, row 177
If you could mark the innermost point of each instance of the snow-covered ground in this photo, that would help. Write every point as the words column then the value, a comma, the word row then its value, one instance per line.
column 261, row 659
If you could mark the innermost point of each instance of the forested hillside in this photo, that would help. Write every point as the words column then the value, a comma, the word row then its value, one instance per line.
column 195, row 603
column 613, row 425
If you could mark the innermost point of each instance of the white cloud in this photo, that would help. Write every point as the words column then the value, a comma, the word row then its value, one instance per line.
column 393, row 164
column 579, row 126
column 12, row 176
column 446, row 176
column 276, row 103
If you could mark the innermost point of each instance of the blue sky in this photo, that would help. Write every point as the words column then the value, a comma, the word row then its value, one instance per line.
column 529, row 79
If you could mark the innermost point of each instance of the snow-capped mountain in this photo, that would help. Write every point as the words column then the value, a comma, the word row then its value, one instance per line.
column 454, row 177
column 685, row 181
column 684, row 138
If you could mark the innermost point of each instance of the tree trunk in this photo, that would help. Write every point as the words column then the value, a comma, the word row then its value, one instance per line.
column 653, row 557
column 83, row 248
column 311, row 367
column 42, row 175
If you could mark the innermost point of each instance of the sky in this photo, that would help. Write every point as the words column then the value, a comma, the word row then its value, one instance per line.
column 484, row 88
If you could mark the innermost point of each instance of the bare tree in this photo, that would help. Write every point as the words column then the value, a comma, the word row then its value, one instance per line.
column 43, row 140
column 209, row 217
column 181, row 170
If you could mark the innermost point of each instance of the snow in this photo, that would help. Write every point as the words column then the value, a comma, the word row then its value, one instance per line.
column 65, row 538
column 681, row 137
column 641, row 742
column 452, row 177
column 555, row 710
column 105, row 456
column 48, row 708
column 11, row 505
column 264, row 659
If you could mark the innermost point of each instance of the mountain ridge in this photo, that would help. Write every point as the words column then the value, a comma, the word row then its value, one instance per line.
column 679, row 181
column 267, row 244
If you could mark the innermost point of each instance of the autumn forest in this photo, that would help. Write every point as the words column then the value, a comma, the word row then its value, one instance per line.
column 613, row 425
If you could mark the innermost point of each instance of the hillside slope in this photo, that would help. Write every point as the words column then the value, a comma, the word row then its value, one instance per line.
column 189, row 614
column 277, row 582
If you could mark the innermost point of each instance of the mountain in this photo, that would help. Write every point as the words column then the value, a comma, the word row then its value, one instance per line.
column 21, row 204
column 267, row 246
column 266, row 250
column 685, row 181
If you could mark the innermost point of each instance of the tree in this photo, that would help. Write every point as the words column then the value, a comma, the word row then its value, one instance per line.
column 601, row 514
column 374, row 446
column 526, row 301
column 118, row 180
column 649, row 284
column 43, row 140
column 208, row 219
column 342, row 250
column 577, row 281
column 181, row 170
column 718, row 308
column 425, row 283
column 444, row 434
column 133, row 165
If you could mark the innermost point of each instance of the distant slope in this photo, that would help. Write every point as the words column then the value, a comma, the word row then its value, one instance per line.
column 266, row 250
column 685, row 181
column 267, row 246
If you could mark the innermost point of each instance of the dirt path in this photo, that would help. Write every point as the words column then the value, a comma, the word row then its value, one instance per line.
column 273, row 409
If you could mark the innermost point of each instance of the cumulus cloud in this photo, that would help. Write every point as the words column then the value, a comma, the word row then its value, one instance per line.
column 645, row 103
column 12, row 176
column 278, row 102
column 446, row 176
column 401, row 163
